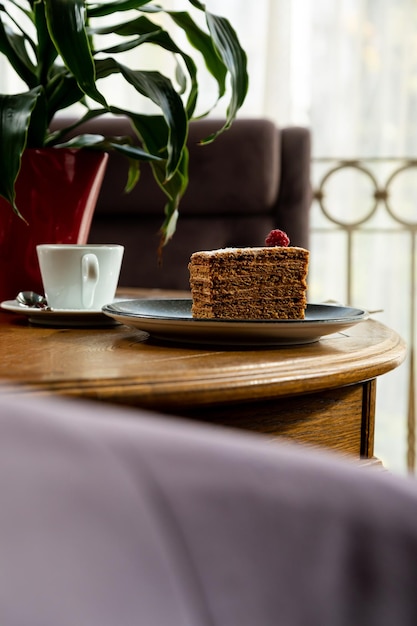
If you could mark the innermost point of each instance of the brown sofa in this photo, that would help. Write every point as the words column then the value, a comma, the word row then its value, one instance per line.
column 253, row 178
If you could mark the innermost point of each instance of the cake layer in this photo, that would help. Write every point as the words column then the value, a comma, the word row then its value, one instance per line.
column 228, row 291
column 248, row 309
column 264, row 275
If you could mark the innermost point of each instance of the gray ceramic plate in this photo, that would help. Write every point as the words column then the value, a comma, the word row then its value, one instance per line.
column 171, row 320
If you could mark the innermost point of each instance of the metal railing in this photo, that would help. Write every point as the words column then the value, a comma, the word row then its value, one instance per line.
column 363, row 253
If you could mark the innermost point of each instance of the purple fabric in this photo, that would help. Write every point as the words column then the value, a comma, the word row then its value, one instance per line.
column 114, row 516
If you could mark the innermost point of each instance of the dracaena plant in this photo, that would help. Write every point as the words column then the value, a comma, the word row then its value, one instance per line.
column 64, row 49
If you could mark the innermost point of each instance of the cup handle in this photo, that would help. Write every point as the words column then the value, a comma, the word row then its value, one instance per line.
column 90, row 276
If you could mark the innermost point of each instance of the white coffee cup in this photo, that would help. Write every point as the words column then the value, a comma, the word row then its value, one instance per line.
column 78, row 276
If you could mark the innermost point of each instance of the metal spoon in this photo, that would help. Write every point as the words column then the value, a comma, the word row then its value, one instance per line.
column 32, row 299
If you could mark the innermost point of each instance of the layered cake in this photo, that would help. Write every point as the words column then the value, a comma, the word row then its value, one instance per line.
column 268, row 282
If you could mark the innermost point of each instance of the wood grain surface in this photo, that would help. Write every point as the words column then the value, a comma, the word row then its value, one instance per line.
column 321, row 393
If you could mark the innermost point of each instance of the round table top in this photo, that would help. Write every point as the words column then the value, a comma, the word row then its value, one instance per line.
column 123, row 365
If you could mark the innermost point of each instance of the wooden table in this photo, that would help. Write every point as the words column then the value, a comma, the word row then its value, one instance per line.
column 322, row 393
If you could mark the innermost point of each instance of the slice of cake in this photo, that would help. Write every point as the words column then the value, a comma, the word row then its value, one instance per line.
column 250, row 283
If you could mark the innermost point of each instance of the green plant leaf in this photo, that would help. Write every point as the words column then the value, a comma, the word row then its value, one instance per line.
column 37, row 124
column 15, row 114
column 99, row 10
column 151, row 33
column 122, row 145
column 58, row 136
column 134, row 153
column 61, row 91
column 159, row 89
column 202, row 42
column 174, row 189
column 232, row 56
column 46, row 52
column 12, row 45
column 66, row 24
column 234, row 59
column 153, row 132
column 133, row 175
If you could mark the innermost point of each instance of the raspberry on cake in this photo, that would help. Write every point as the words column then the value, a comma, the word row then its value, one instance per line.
column 277, row 238
column 267, row 282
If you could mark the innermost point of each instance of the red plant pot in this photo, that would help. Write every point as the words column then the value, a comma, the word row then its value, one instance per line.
column 56, row 192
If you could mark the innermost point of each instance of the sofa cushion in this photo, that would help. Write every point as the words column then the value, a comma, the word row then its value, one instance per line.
column 248, row 183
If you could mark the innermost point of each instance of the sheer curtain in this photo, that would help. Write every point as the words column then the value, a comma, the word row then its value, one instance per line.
column 348, row 69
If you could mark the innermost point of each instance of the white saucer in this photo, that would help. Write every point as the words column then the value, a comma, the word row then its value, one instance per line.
column 59, row 317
